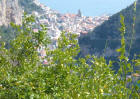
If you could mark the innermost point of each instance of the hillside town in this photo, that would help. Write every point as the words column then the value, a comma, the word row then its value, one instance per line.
column 57, row 22
column 74, row 23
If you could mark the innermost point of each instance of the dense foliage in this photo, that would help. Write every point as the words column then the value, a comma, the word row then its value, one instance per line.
column 7, row 33
column 23, row 76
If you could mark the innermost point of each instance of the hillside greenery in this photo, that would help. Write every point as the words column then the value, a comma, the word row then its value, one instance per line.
column 107, row 35
column 28, row 6
column 23, row 76
column 7, row 34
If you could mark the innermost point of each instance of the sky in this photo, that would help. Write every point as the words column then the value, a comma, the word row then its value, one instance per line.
column 88, row 7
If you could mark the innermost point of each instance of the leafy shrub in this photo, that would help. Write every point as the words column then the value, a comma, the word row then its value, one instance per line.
column 23, row 76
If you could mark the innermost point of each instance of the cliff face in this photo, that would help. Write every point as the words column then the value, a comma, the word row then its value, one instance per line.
column 10, row 11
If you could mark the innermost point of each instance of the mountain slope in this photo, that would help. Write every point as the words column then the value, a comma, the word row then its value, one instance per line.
column 55, row 21
column 29, row 6
column 10, row 11
column 105, row 39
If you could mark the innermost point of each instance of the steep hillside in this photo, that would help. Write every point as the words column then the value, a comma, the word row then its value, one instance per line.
column 29, row 6
column 55, row 21
column 10, row 11
column 105, row 39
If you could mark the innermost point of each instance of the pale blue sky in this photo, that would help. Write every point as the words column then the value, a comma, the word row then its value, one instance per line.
column 88, row 7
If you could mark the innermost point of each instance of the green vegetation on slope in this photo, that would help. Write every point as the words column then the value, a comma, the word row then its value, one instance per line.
column 7, row 34
column 23, row 76
column 108, row 35
column 29, row 6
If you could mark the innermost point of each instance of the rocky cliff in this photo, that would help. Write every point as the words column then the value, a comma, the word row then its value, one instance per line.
column 10, row 11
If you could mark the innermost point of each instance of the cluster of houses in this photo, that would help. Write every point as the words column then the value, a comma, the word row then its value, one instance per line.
column 74, row 23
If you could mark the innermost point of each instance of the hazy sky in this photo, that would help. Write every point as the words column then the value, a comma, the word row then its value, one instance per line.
column 88, row 7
